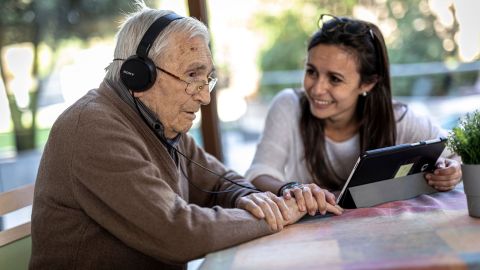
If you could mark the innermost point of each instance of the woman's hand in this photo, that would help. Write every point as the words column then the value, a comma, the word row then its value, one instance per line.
column 312, row 198
column 446, row 176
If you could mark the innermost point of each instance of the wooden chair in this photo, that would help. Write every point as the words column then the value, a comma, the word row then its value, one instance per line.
column 15, row 243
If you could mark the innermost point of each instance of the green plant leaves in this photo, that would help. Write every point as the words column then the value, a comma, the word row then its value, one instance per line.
column 465, row 138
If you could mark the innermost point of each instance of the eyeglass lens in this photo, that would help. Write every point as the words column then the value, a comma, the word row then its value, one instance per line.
column 197, row 86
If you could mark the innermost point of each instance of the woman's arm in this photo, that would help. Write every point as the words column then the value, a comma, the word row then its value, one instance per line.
column 267, row 183
column 273, row 150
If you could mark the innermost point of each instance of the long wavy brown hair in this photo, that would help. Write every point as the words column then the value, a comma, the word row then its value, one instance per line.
column 374, row 111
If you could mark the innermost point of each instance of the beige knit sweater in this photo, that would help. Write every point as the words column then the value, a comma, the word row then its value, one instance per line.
column 109, row 196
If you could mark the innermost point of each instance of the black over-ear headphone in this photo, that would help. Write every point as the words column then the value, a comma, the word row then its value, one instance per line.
column 138, row 73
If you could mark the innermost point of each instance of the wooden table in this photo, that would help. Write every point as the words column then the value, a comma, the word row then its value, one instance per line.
column 430, row 231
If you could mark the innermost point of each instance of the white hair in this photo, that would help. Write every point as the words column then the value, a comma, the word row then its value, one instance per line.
column 136, row 24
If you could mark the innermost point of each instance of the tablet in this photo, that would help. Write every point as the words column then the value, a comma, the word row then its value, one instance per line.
column 391, row 173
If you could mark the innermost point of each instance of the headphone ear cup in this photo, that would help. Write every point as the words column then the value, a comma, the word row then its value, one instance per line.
column 138, row 74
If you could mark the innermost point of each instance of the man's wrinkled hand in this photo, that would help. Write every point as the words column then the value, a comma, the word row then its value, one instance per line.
column 273, row 209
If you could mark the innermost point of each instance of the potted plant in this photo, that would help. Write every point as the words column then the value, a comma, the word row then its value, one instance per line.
column 465, row 141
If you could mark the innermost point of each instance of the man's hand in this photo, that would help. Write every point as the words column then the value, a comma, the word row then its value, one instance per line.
column 295, row 213
column 446, row 176
column 312, row 198
column 270, row 207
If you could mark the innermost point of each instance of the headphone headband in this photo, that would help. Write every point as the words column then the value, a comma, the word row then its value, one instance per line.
column 153, row 31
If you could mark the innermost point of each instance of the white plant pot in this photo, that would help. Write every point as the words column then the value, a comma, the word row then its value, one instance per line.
column 471, row 185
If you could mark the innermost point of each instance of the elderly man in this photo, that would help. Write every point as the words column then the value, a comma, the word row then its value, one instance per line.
column 122, row 186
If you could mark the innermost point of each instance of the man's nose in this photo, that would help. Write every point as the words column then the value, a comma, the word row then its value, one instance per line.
column 203, row 96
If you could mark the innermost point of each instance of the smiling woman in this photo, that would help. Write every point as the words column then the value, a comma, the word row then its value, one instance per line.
column 333, row 86
column 345, row 108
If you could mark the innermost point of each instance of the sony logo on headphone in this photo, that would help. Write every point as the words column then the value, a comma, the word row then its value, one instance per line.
column 128, row 73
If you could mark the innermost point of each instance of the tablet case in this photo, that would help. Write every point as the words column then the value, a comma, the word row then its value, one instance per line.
column 391, row 174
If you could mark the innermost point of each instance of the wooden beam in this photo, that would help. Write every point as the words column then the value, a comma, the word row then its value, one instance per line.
column 210, row 124
column 10, row 201
column 16, row 199
column 15, row 233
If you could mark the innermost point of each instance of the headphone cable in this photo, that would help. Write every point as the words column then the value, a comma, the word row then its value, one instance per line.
column 222, row 176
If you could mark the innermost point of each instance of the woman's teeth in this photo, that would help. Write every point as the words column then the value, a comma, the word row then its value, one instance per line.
column 323, row 102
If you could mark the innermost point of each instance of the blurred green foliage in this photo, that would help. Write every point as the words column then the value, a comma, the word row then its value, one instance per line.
column 49, row 23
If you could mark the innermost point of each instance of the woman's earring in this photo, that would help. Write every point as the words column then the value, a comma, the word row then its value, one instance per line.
column 364, row 94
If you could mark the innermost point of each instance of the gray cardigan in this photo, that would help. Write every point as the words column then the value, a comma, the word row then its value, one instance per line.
column 109, row 196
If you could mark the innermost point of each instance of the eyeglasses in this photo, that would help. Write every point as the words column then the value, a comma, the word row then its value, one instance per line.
column 330, row 23
column 194, row 87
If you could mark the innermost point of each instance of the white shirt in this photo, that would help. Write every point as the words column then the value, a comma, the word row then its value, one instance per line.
column 280, row 152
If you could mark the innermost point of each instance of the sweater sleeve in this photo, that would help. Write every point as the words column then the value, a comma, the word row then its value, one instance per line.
column 273, row 149
column 119, row 186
